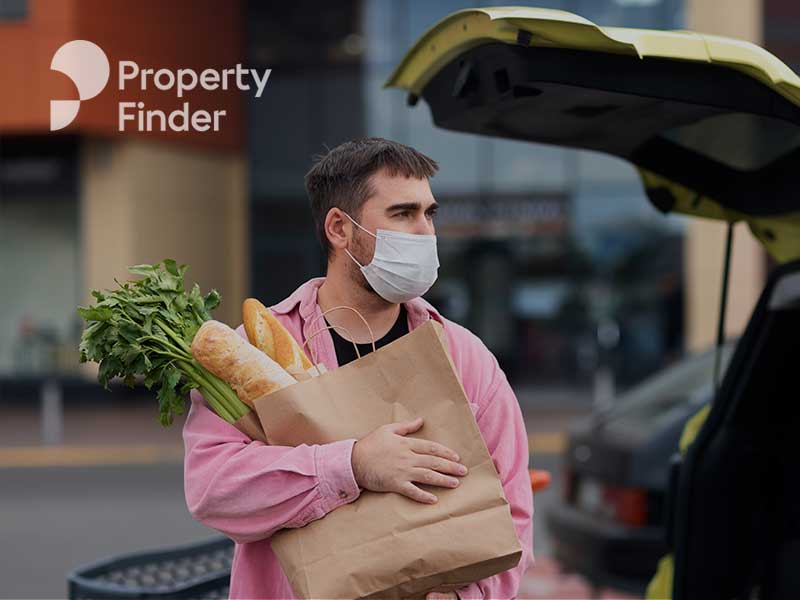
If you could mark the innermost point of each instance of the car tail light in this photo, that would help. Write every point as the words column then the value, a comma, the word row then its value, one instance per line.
column 627, row 505
column 622, row 504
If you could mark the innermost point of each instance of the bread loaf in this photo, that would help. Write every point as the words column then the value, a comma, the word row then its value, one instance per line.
column 250, row 372
column 267, row 334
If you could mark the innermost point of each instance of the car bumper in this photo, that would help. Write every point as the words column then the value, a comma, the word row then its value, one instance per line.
column 608, row 554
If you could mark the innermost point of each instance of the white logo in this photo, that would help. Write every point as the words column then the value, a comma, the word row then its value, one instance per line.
column 87, row 66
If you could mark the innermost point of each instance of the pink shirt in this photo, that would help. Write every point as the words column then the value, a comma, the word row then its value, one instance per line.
column 248, row 490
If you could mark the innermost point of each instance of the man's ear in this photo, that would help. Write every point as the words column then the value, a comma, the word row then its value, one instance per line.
column 338, row 229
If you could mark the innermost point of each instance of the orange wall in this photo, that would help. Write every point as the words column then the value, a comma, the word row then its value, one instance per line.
column 196, row 34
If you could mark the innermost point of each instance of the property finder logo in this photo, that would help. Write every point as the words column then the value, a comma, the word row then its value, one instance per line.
column 87, row 66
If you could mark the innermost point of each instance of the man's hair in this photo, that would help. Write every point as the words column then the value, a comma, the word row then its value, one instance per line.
column 342, row 177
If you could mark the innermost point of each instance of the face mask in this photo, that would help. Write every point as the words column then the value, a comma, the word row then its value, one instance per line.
column 404, row 266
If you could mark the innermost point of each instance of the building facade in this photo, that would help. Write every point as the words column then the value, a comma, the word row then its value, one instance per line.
column 552, row 256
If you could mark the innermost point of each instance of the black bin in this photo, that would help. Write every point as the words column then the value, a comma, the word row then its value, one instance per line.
column 199, row 571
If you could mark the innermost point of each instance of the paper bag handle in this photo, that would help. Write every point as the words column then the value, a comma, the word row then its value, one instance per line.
column 320, row 330
column 360, row 316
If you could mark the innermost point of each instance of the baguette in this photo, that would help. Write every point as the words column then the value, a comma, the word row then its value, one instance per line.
column 250, row 372
column 267, row 334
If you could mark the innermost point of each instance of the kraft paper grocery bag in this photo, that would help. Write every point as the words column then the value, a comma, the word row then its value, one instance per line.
column 385, row 545
column 249, row 423
column 251, row 427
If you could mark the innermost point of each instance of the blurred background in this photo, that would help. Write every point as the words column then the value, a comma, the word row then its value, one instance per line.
column 553, row 257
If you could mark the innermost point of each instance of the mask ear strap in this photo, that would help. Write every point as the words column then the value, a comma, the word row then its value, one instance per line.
column 353, row 257
column 359, row 224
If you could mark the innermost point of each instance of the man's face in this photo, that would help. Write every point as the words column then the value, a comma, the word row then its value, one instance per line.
column 398, row 203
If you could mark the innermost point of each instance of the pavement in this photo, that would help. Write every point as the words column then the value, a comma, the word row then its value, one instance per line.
column 113, row 485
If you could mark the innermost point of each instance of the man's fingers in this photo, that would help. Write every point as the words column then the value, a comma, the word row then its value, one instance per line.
column 404, row 427
column 440, row 464
column 434, row 448
column 433, row 478
column 410, row 490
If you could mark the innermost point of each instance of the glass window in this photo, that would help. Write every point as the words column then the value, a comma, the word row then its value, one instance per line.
column 39, row 328
column 13, row 9
column 741, row 141
column 463, row 162
column 688, row 382
column 521, row 166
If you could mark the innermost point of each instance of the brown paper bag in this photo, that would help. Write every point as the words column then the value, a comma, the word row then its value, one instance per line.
column 384, row 545
column 251, row 427
column 249, row 423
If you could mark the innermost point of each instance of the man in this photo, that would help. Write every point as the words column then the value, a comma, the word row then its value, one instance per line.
column 373, row 212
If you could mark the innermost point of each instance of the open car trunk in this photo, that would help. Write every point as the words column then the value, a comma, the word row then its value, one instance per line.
column 713, row 126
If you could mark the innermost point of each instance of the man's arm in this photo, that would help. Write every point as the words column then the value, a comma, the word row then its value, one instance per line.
column 248, row 490
column 503, row 429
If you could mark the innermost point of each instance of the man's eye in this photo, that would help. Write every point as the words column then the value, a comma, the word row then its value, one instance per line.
column 404, row 213
column 432, row 213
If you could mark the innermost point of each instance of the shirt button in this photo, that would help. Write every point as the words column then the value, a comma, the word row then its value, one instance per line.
column 342, row 494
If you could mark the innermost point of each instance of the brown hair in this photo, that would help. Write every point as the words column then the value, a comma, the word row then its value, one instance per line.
column 342, row 177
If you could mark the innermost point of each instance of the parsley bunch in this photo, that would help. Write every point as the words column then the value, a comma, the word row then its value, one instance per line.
column 146, row 327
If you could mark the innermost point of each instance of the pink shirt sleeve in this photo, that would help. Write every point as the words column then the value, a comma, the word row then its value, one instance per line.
column 248, row 490
column 503, row 429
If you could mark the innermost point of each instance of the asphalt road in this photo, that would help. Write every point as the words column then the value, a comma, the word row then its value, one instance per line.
column 54, row 519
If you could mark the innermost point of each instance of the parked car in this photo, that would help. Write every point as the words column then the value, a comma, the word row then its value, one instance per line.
column 610, row 524
column 712, row 125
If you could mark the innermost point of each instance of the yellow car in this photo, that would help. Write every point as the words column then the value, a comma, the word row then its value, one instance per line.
column 712, row 125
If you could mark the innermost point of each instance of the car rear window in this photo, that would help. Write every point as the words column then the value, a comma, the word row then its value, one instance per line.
column 742, row 141
column 687, row 382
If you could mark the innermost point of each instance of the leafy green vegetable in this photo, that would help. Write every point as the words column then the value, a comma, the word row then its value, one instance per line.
column 146, row 327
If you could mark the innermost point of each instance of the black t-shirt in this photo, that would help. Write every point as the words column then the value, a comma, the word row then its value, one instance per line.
column 345, row 352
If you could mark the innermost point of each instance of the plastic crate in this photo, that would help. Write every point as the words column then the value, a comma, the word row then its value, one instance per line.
column 199, row 570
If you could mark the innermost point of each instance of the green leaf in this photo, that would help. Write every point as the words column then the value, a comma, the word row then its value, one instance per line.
column 109, row 368
column 212, row 300
column 171, row 267
column 144, row 270
column 95, row 313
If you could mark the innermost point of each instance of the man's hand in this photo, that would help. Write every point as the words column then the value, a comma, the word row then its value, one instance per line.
column 386, row 461
column 441, row 596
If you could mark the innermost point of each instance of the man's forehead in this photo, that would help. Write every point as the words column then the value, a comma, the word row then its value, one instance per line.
column 389, row 189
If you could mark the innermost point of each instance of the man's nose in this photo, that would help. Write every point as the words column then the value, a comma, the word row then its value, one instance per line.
column 424, row 226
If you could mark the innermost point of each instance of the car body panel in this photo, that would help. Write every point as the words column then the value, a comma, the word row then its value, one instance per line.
column 609, row 554
column 464, row 29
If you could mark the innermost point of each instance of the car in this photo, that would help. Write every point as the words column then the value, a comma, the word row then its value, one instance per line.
column 609, row 527
column 712, row 126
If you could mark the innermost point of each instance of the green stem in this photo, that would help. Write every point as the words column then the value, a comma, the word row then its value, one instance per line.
column 227, row 398
column 178, row 339
column 216, row 405
column 180, row 353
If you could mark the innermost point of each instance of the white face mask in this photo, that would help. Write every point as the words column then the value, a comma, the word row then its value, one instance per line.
column 404, row 266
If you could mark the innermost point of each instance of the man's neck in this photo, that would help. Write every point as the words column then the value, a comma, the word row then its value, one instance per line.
column 380, row 315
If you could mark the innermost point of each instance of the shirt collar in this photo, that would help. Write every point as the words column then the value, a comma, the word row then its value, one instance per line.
column 419, row 310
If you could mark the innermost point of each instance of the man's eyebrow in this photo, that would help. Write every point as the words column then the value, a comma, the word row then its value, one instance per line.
column 410, row 206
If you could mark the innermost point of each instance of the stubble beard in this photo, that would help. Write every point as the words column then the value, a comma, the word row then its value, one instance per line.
column 361, row 254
